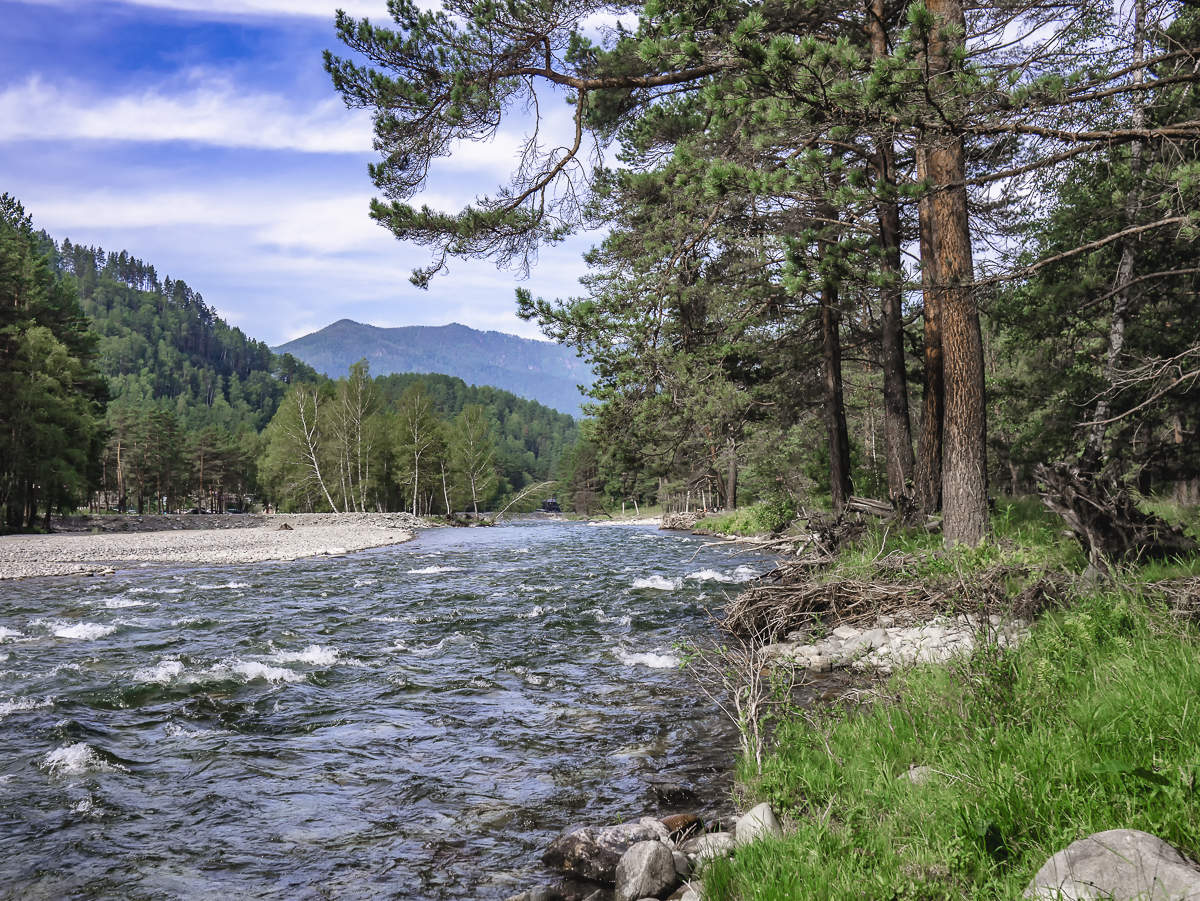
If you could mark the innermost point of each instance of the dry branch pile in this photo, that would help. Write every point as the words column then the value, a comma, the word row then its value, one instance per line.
column 797, row 596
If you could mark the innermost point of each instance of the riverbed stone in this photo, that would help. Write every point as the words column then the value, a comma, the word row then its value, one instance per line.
column 647, row 869
column 593, row 852
column 846, row 632
column 758, row 822
column 671, row 791
column 683, row 866
column 1120, row 864
column 682, row 825
column 704, row 848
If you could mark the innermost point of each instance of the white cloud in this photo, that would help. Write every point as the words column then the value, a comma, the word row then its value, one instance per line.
column 206, row 111
column 222, row 9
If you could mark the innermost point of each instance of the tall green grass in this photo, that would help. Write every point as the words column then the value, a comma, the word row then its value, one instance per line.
column 1092, row 723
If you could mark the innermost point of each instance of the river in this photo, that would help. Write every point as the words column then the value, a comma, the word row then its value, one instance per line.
column 416, row 721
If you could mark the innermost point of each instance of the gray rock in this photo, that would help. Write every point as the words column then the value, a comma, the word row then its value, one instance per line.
column 703, row 848
column 846, row 632
column 918, row 775
column 594, row 852
column 683, row 866
column 647, row 869
column 1120, row 864
column 820, row 664
column 758, row 822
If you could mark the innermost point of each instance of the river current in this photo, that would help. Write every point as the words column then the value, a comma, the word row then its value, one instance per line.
column 417, row 721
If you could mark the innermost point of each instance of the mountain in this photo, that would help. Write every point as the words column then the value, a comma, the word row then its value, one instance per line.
column 537, row 370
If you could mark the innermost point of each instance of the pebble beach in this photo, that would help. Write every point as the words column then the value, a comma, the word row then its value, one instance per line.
column 99, row 544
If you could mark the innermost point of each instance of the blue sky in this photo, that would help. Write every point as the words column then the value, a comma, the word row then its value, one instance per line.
column 203, row 136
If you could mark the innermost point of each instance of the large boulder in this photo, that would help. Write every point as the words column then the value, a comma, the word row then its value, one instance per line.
column 1121, row 865
column 646, row 870
column 593, row 852
column 758, row 822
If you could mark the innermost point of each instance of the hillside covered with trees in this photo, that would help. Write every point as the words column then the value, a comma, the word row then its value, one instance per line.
column 909, row 250
column 124, row 390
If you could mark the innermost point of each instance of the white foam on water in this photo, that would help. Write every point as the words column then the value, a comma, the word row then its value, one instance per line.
column 3, row 658
column 314, row 654
column 745, row 573
column 174, row 730
column 7, row 634
column 233, row 586
column 79, row 631
column 76, row 759
column 385, row 619
column 431, row 570
column 251, row 670
column 651, row 660
column 154, row 590
column 533, row 613
column 87, row 805
column 709, row 575
column 122, row 603
column 16, row 705
column 362, row 583
column 657, row 583
column 335, row 551
column 166, row 670
column 603, row 617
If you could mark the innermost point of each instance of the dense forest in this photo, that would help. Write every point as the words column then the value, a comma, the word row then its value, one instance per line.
column 903, row 249
column 123, row 390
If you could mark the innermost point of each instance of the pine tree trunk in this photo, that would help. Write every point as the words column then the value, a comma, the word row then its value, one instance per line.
column 835, row 410
column 964, row 452
column 897, row 428
column 928, row 471
column 731, row 478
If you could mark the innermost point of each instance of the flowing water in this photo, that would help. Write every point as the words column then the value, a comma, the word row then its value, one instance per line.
column 411, row 722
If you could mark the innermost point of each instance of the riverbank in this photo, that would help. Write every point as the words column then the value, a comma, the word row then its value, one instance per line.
column 99, row 544
column 961, row 778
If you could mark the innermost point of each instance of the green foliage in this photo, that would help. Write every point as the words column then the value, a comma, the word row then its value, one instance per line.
column 1085, row 726
column 51, row 394
column 764, row 518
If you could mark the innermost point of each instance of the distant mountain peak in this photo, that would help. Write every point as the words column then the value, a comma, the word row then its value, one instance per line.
column 538, row 370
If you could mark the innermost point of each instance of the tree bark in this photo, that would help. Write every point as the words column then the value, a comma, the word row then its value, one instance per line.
column 731, row 478
column 928, row 472
column 897, row 427
column 835, row 410
column 964, row 451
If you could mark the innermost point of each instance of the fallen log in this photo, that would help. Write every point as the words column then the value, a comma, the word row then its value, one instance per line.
column 1103, row 515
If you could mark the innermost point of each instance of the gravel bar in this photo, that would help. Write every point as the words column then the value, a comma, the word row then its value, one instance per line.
column 99, row 544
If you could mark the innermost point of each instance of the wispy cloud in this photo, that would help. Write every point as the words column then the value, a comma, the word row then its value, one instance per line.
column 222, row 9
column 205, row 111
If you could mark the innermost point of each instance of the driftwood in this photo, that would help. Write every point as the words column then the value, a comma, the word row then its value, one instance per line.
column 798, row 596
column 1105, row 518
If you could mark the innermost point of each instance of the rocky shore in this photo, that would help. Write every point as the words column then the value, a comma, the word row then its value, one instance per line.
column 99, row 544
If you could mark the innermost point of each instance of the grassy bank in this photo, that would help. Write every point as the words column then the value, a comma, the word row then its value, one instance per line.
column 1092, row 723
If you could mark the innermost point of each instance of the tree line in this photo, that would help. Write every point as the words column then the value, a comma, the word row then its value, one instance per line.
column 906, row 248
column 125, row 391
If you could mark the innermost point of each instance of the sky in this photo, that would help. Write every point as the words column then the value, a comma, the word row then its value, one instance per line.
column 204, row 137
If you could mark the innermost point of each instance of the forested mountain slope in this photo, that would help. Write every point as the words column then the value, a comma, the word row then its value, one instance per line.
column 537, row 370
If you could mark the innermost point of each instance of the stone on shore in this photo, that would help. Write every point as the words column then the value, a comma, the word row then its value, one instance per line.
column 593, row 852
column 647, row 869
column 704, row 848
column 1121, row 865
column 758, row 822
column 682, row 825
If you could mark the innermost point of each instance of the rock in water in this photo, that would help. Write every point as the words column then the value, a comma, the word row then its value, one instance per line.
column 646, row 870
column 1120, row 864
column 594, row 852
column 759, row 822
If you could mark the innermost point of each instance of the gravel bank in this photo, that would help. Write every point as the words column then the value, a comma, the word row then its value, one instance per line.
column 99, row 544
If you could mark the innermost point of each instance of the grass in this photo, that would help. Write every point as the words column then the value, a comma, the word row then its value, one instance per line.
column 1092, row 723
column 763, row 518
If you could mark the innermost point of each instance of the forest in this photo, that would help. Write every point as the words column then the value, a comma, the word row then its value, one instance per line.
column 908, row 250
column 122, row 390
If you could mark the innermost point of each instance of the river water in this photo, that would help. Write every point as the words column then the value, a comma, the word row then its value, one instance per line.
column 410, row 722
